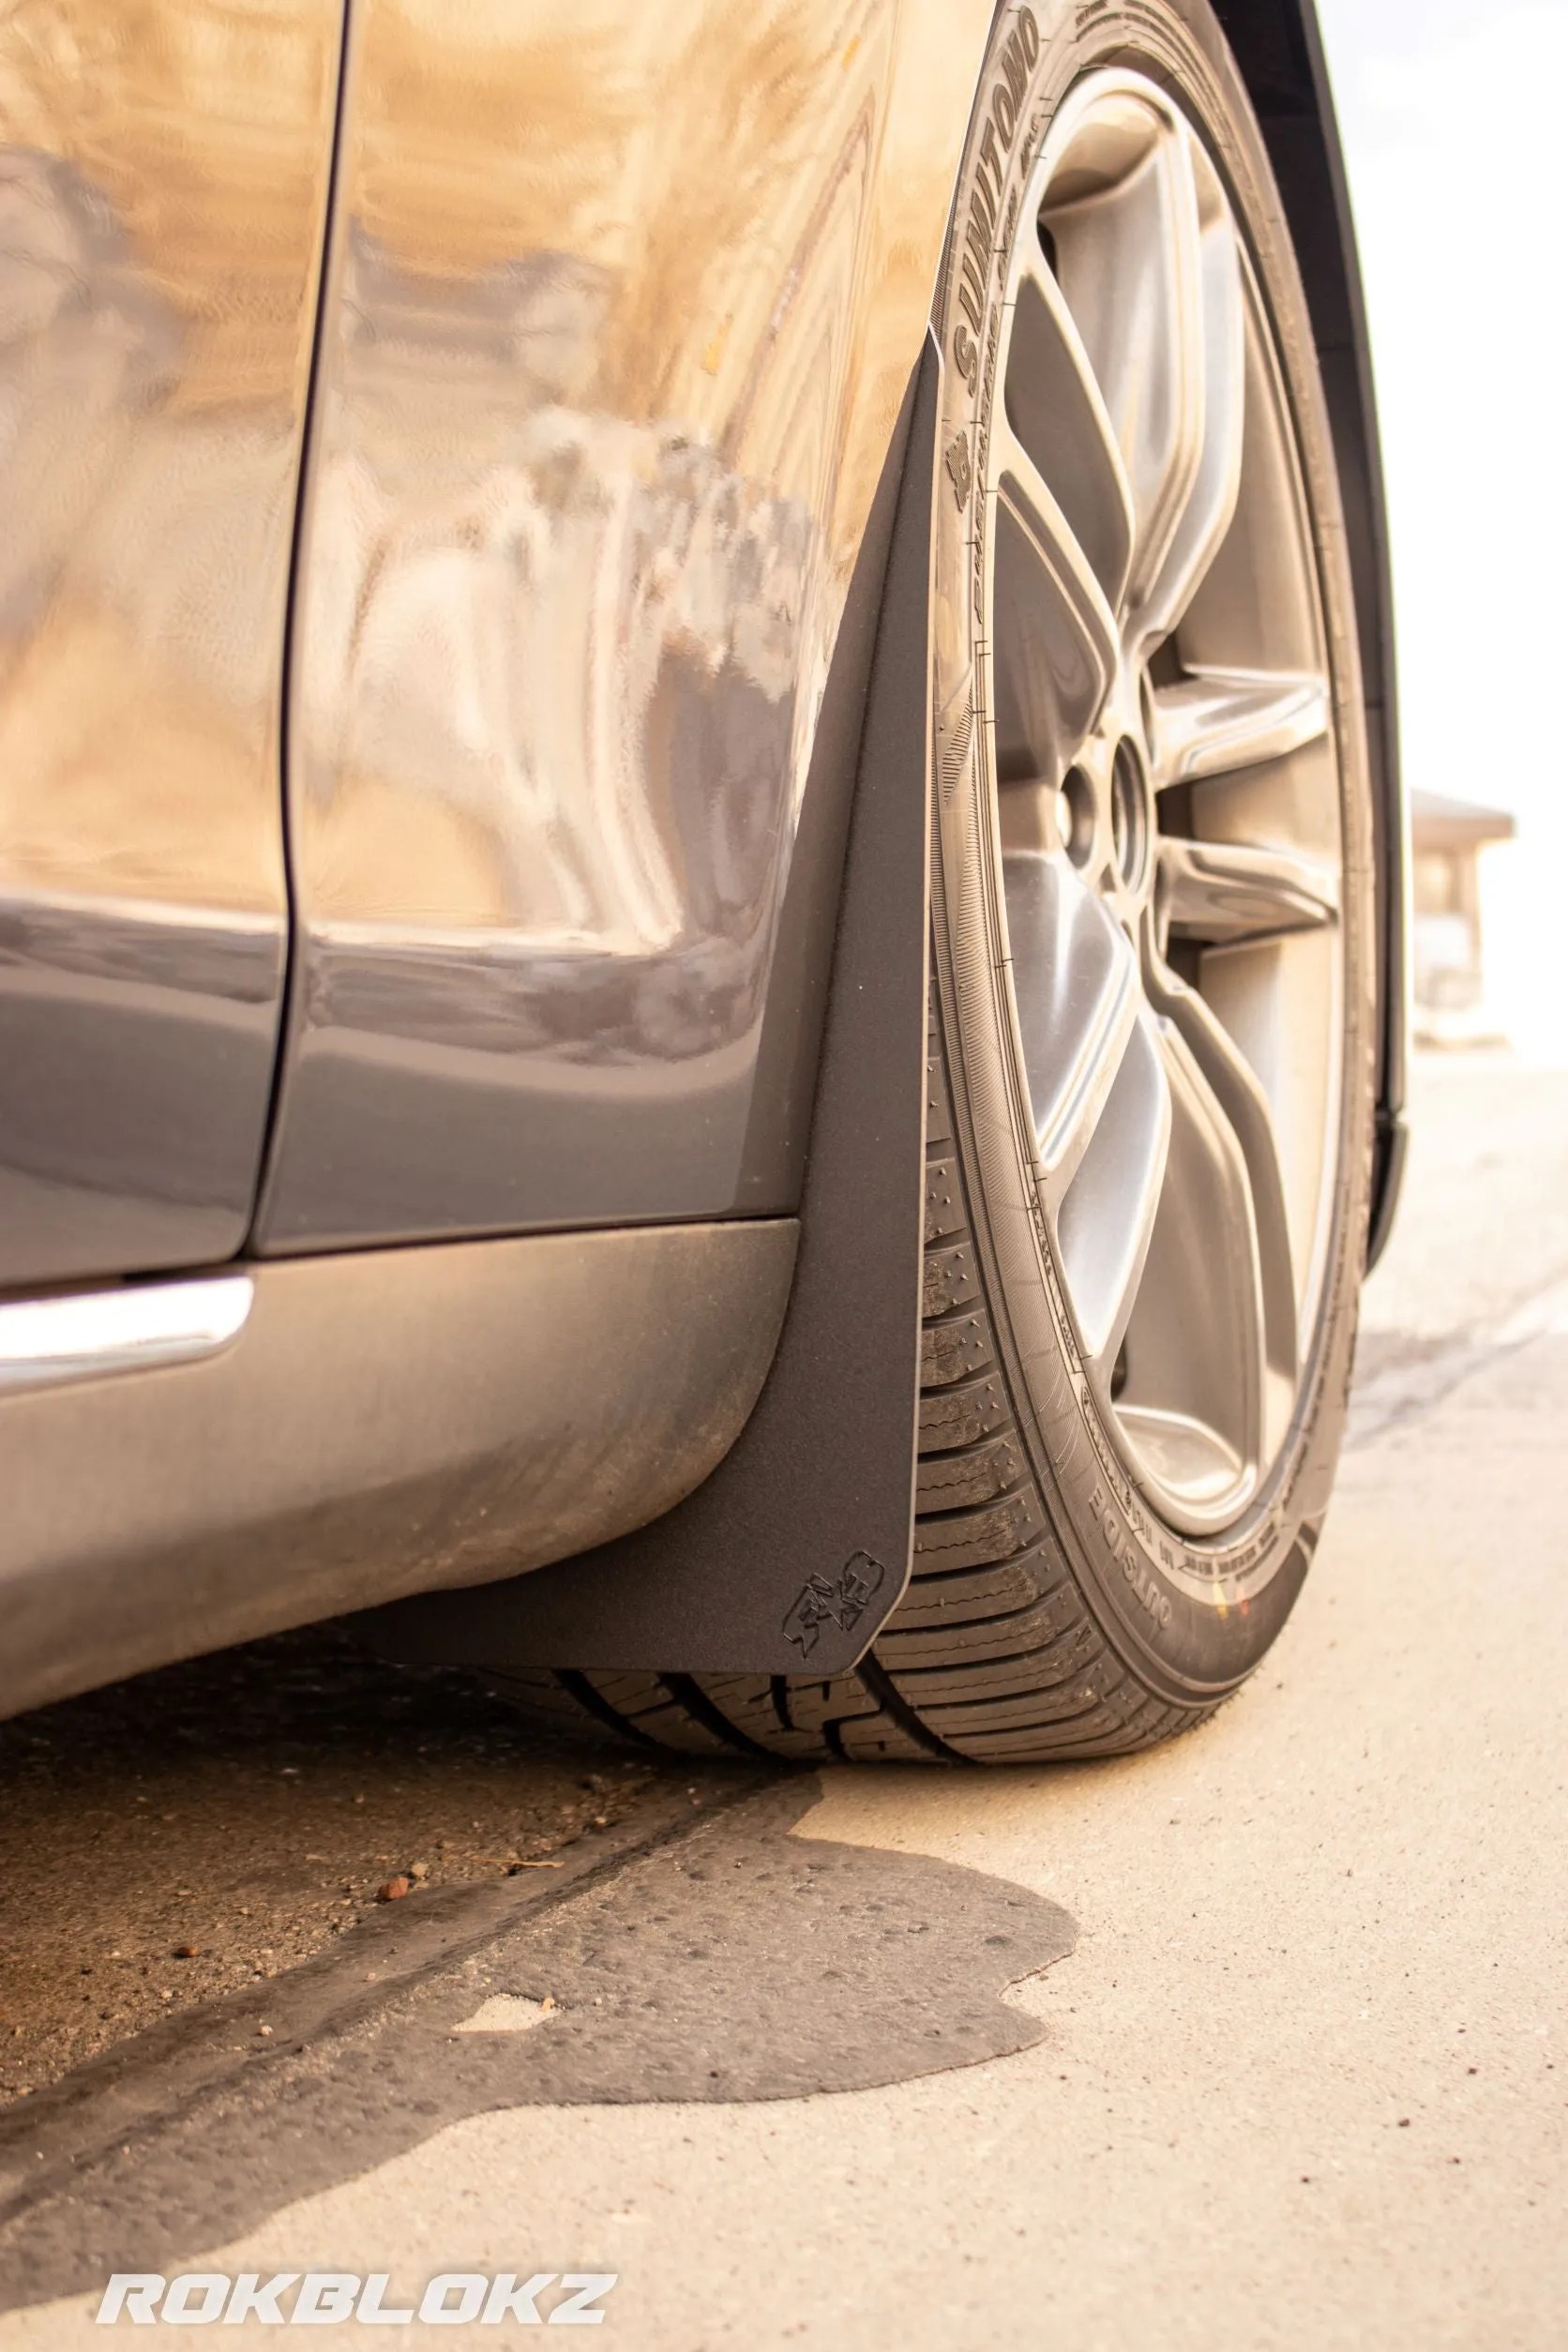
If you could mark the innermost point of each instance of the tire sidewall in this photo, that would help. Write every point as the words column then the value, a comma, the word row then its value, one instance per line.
column 1140, row 1576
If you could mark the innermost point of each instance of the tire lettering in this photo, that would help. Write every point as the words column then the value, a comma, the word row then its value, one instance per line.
column 1017, row 59
column 978, row 246
column 1015, row 64
column 1005, row 116
column 989, row 155
column 1126, row 1557
column 981, row 209
column 971, row 295
column 1007, row 237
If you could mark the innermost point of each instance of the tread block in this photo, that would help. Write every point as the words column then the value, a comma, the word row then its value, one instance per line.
column 1083, row 1701
column 1070, row 1672
column 952, row 1350
column 951, row 1482
column 814, row 1704
column 746, row 1701
column 1032, row 1745
column 963, row 1415
column 647, row 1706
column 947, row 1637
column 939, row 1114
column 1142, row 1720
column 945, row 1200
column 951, row 1279
column 878, row 1739
column 999, row 1589
column 965, row 1539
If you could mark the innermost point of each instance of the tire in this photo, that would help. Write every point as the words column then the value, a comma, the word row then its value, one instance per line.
column 1085, row 1583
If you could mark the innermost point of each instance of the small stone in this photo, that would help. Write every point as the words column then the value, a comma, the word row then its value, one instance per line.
column 392, row 1890
column 419, row 1872
column 1404, row 2123
column 188, row 1952
column 265, row 2031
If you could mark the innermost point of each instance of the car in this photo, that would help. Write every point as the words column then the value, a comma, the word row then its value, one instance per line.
column 701, row 959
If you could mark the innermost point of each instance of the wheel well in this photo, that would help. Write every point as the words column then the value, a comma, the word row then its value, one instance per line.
column 1279, row 50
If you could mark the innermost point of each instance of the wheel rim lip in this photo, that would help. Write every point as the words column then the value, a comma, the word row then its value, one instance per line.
column 1199, row 1503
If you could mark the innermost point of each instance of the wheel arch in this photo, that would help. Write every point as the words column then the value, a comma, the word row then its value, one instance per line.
column 1278, row 48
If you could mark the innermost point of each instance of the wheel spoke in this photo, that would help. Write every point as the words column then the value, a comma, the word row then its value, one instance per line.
column 1211, row 503
column 1241, row 1099
column 1221, row 892
column 1075, row 984
column 1055, row 411
column 1056, row 639
column 1107, row 1218
column 1193, row 1400
column 1129, row 262
column 1219, row 720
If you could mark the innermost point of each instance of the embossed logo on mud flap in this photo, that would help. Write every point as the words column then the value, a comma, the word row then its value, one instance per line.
column 839, row 1600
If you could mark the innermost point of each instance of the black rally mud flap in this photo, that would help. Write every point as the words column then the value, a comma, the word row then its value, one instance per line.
column 792, row 1555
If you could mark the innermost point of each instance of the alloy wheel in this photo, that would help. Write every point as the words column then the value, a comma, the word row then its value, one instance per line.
column 1167, row 798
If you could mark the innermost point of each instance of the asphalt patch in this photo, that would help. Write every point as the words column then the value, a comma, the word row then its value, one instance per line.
column 225, row 1822
column 737, row 1963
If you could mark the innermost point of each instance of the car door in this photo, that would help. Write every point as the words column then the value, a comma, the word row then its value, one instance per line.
column 164, row 168
column 621, row 306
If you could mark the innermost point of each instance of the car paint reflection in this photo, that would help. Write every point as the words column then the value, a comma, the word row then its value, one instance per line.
column 163, row 171
column 617, row 328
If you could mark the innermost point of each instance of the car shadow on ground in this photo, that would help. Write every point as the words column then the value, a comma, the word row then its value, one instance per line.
column 728, row 1960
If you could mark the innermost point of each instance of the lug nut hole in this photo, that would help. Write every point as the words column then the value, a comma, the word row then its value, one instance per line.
column 1129, row 806
column 1075, row 816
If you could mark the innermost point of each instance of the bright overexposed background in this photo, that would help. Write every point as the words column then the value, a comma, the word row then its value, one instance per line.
column 1452, row 113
